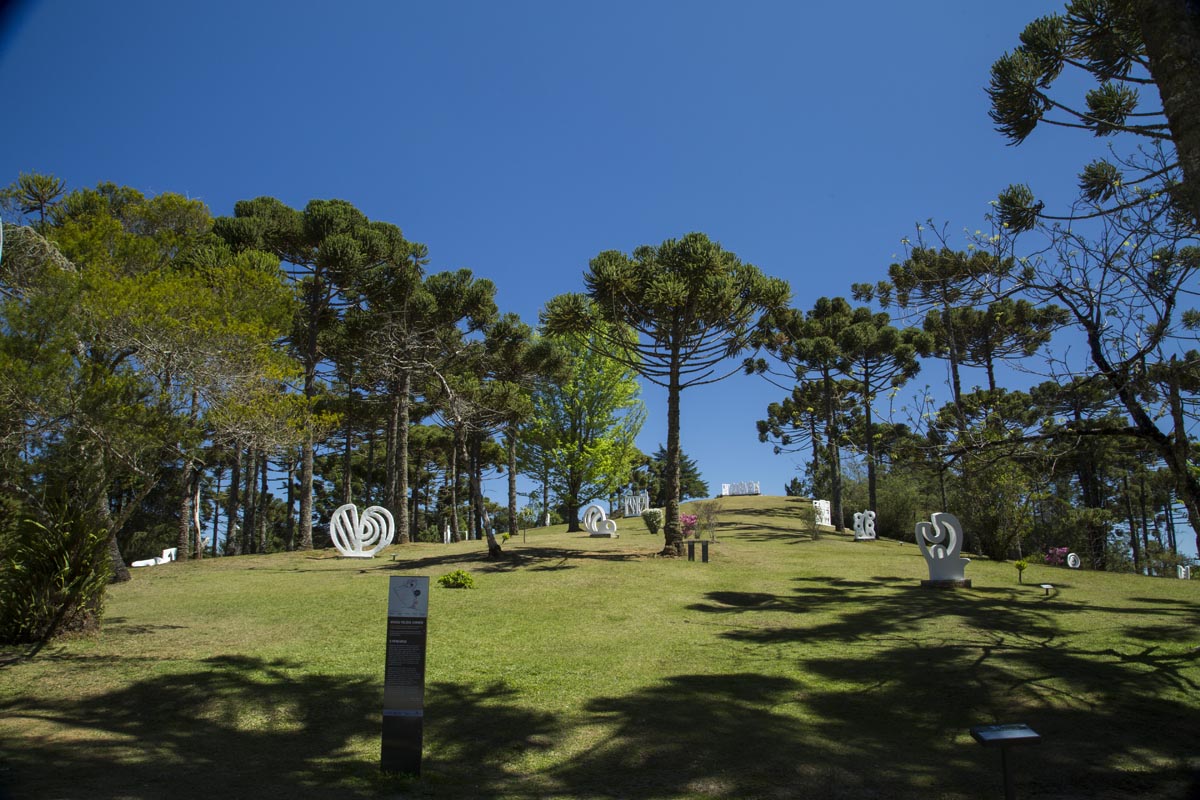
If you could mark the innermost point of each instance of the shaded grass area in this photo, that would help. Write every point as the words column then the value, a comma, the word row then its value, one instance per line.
column 584, row 668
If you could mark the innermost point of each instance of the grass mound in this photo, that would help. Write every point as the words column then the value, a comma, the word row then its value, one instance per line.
column 786, row 667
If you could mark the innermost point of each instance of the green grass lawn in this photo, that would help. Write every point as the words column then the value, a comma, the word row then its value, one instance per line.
column 589, row 668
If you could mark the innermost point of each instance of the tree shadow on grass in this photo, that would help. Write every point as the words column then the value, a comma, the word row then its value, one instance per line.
column 230, row 727
column 914, row 669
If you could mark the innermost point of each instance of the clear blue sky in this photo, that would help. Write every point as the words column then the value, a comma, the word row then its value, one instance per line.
column 520, row 139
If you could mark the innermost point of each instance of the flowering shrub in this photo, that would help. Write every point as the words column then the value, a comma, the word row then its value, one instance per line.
column 688, row 523
column 1057, row 556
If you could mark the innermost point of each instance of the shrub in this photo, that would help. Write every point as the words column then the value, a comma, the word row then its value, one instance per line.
column 653, row 517
column 52, row 579
column 688, row 523
column 1021, row 566
column 1057, row 556
column 458, row 579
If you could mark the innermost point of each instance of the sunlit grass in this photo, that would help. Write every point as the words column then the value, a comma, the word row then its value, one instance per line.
column 787, row 667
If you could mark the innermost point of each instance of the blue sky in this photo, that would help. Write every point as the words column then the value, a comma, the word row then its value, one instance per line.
column 520, row 139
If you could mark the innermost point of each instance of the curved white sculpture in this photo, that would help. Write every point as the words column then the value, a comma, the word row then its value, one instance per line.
column 941, row 542
column 1073, row 561
column 864, row 525
column 597, row 523
column 1185, row 571
column 361, row 537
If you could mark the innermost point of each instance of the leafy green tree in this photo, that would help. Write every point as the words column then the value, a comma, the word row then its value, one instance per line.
column 693, row 307
column 583, row 425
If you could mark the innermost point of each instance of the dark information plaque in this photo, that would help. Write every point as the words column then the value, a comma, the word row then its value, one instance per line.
column 404, row 675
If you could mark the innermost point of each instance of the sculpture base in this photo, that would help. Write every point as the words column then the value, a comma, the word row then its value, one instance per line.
column 356, row 555
column 962, row 584
column 604, row 536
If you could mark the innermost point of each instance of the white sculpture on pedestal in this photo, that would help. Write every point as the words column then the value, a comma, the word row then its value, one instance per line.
column 941, row 542
column 597, row 523
column 821, row 514
column 1185, row 572
column 361, row 537
column 1073, row 561
column 864, row 525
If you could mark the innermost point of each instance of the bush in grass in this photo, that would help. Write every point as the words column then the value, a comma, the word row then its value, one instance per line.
column 1057, row 556
column 458, row 579
column 52, row 578
column 653, row 517
column 688, row 523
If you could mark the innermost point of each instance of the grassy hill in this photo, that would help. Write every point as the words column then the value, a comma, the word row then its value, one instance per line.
column 787, row 667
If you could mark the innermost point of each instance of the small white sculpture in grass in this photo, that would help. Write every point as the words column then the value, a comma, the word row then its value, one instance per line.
column 1073, row 561
column 168, row 555
column 361, row 537
column 1185, row 571
column 821, row 513
column 941, row 542
column 597, row 523
column 864, row 526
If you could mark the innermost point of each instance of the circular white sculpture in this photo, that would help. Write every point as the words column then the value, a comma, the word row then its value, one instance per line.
column 941, row 542
column 1073, row 561
column 596, row 522
column 361, row 537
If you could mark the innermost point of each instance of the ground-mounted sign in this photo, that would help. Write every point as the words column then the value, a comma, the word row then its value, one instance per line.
column 404, row 674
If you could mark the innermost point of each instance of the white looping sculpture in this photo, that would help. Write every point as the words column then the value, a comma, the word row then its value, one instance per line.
column 361, row 537
column 941, row 542
column 1073, row 561
column 864, row 525
column 597, row 523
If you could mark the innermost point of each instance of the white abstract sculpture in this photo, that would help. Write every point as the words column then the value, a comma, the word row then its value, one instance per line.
column 941, row 542
column 745, row 487
column 821, row 515
column 864, row 525
column 1073, row 561
column 1185, row 572
column 597, row 523
column 167, row 555
column 446, row 534
column 361, row 537
column 634, row 505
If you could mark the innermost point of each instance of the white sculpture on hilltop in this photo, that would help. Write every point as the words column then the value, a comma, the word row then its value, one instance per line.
column 941, row 542
column 361, row 537
column 597, row 523
column 864, row 526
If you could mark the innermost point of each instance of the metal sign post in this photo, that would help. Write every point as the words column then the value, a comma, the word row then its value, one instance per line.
column 404, row 675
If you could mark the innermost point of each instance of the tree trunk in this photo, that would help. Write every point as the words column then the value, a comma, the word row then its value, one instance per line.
column 835, row 457
column 264, row 497
column 348, row 448
column 1133, row 532
column 1171, row 32
column 404, row 391
column 672, row 530
column 510, row 439
column 232, row 541
column 217, row 509
column 183, row 532
column 306, row 495
column 290, row 544
column 251, row 504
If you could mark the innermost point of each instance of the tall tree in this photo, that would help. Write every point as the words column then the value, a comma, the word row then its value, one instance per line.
column 325, row 248
column 583, row 425
column 693, row 307
column 690, row 482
